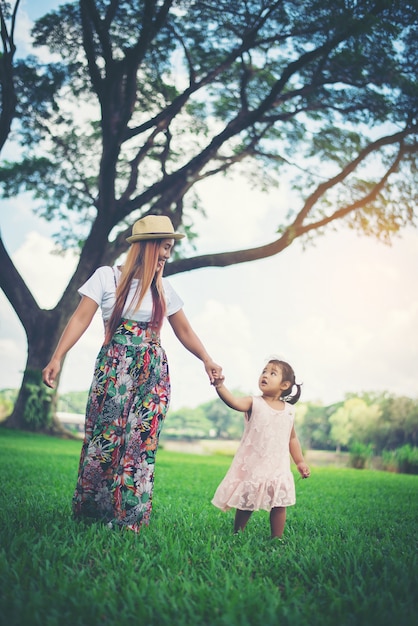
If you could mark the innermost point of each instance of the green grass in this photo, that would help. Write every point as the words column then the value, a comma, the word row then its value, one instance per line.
column 348, row 557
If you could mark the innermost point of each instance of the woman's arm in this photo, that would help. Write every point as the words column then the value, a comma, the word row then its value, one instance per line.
column 77, row 325
column 186, row 335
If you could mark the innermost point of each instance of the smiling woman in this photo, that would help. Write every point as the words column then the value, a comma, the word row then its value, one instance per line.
column 130, row 393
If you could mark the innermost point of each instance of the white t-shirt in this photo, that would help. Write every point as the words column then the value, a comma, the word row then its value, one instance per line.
column 101, row 288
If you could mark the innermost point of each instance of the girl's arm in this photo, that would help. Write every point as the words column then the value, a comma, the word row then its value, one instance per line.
column 77, row 325
column 186, row 335
column 243, row 404
column 296, row 452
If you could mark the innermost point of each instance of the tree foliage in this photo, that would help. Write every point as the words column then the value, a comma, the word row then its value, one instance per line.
column 381, row 420
column 354, row 422
column 370, row 422
column 148, row 98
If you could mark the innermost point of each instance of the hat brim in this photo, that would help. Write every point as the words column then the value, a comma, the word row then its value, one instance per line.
column 148, row 236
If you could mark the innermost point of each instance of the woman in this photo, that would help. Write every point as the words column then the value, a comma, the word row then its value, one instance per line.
column 130, row 392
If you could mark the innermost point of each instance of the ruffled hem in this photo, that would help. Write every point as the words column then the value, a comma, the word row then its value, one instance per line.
column 253, row 496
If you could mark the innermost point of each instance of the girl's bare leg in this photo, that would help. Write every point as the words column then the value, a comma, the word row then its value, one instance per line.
column 277, row 521
column 241, row 519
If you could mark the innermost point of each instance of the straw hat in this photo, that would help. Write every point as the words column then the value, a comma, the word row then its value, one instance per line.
column 153, row 227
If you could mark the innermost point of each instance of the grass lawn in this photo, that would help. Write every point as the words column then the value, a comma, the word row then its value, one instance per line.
column 348, row 557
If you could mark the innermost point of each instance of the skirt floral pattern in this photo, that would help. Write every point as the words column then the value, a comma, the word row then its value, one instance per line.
column 127, row 404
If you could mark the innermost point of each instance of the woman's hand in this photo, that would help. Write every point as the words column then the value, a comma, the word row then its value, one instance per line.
column 214, row 371
column 78, row 323
column 50, row 372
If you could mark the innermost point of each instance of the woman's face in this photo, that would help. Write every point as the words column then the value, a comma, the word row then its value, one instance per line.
column 164, row 253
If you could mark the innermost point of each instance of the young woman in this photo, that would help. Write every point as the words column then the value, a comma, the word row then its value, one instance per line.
column 130, row 392
column 260, row 475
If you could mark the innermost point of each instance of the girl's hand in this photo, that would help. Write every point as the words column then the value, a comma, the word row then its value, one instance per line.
column 218, row 382
column 303, row 470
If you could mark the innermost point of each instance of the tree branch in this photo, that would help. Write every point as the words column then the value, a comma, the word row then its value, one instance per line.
column 163, row 118
column 8, row 92
column 297, row 228
column 358, row 204
column 181, row 179
column 16, row 290
column 87, row 12
column 350, row 167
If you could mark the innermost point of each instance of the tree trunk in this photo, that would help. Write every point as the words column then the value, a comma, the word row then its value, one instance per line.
column 35, row 406
column 35, row 403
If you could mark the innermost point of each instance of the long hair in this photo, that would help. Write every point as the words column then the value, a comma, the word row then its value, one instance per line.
column 140, row 263
column 288, row 375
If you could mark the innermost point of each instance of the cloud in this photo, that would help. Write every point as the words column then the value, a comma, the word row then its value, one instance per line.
column 238, row 214
column 344, row 314
column 13, row 347
column 23, row 28
column 46, row 272
column 27, row 13
column 14, row 355
column 224, row 330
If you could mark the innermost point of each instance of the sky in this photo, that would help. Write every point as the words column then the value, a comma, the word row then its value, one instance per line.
column 343, row 312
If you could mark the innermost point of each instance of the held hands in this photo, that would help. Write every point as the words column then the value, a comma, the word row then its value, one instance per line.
column 218, row 382
column 303, row 470
column 214, row 371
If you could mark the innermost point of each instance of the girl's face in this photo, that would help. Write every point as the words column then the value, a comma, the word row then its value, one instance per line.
column 164, row 253
column 271, row 381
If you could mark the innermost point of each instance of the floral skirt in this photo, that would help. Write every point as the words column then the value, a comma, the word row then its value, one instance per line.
column 127, row 404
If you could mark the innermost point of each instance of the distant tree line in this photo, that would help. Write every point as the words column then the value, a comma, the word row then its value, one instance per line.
column 381, row 421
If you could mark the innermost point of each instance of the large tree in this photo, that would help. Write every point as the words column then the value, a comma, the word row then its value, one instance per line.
column 7, row 84
column 150, row 97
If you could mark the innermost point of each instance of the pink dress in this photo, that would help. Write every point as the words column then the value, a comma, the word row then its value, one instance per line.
column 260, row 476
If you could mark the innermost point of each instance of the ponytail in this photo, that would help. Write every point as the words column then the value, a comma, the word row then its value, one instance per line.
column 288, row 375
column 292, row 398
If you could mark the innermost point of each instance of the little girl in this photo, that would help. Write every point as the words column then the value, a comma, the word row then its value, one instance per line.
column 260, row 475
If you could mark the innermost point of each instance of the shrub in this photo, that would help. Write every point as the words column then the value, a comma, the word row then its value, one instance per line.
column 360, row 455
column 403, row 460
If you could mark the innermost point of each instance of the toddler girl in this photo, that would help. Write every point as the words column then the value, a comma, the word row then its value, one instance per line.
column 260, row 476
